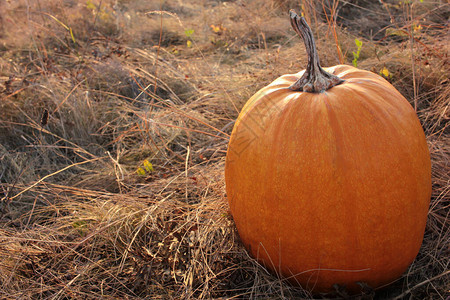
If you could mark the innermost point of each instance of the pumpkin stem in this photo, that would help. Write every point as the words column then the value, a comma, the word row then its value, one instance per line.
column 315, row 79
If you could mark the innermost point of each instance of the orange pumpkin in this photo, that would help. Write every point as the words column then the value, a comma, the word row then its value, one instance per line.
column 328, row 176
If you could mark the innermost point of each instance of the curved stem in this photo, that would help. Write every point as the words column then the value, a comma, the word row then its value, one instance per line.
column 315, row 79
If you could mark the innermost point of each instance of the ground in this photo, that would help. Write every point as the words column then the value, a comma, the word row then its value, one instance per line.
column 114, row 125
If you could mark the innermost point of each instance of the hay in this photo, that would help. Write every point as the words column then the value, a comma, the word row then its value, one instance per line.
column 82, row 213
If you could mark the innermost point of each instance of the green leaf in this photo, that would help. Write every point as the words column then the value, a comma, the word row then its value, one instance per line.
column 148, row 166
column 90, row 5
column 356, row 54
column 189, row 32
column 140, row 171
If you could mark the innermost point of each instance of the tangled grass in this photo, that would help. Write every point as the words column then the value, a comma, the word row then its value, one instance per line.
column 115, row 119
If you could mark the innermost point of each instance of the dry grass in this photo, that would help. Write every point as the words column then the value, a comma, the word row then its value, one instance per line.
column 78, row 221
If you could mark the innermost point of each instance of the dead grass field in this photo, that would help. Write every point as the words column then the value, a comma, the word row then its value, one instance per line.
column 114, row 121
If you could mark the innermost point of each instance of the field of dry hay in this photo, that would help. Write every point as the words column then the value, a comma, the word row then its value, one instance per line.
column 114, row 123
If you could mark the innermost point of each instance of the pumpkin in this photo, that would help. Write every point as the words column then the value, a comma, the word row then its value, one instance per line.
column 328, row 176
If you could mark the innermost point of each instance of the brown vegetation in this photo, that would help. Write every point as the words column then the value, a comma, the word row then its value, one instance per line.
column 114, row 123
